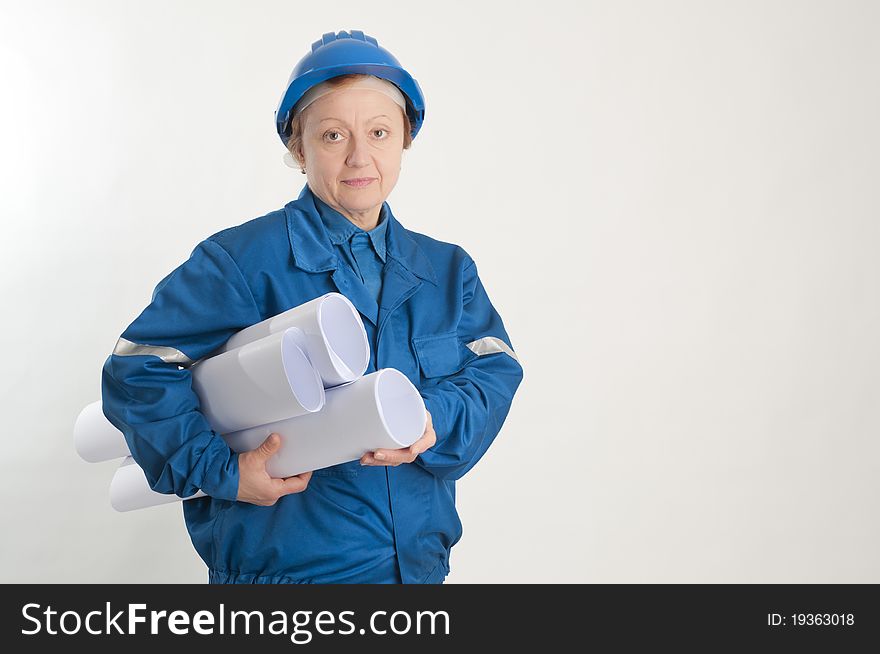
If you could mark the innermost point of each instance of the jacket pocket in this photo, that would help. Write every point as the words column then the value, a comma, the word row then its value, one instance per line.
column 440, row 355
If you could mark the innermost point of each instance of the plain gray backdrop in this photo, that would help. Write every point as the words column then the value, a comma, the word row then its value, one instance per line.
column 673, row 205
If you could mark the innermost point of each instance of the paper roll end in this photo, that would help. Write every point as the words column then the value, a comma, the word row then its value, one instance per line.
column 81, row 432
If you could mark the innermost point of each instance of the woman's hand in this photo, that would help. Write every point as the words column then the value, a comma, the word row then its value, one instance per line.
column 256, row 486
column 405, row 454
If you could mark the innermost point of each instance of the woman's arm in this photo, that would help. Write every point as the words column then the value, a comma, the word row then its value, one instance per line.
column 147, row 385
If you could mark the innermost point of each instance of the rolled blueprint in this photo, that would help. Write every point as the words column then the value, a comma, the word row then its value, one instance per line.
column 333, row 336
column 262, row 381
column 266, row 379
column 379, row 410
column 96, row 438
column 129, row 489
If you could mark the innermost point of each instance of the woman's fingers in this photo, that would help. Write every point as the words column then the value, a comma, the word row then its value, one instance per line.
column 388, row 458
column 295, row 484
column 403, row 455
column 425, row 442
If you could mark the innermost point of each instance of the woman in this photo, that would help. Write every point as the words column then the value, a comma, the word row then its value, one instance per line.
column 347, row 114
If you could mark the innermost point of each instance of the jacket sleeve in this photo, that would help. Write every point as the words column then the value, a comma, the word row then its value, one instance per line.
column 468, row 406
column 146, row 384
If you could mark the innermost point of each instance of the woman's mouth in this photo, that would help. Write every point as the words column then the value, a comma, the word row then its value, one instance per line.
column 359, row 182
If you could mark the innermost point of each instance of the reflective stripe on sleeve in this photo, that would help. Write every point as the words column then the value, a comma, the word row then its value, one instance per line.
column 126, row 348
column 490, row 345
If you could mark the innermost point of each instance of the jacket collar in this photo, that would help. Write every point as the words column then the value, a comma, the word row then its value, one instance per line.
column 313, row 250
column 340, row 229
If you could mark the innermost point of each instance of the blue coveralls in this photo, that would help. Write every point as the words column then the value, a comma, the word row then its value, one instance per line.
column 353, row 524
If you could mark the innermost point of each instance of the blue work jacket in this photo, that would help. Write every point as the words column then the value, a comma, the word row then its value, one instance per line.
column 353, row 523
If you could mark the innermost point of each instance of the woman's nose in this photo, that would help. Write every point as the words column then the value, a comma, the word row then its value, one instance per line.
column 358, row 155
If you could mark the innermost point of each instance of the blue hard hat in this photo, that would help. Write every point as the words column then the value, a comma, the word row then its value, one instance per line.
column 341, row 54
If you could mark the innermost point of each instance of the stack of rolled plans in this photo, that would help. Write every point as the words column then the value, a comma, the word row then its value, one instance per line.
column 299, row 374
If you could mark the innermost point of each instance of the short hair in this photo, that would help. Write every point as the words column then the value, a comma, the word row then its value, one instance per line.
column 294, row 143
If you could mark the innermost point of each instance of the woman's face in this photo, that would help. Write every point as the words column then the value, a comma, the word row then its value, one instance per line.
column 349, row 134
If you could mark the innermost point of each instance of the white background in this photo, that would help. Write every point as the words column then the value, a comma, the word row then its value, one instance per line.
column 674, row 207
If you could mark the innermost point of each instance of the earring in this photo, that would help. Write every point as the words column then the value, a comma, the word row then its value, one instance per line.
column 303, row 171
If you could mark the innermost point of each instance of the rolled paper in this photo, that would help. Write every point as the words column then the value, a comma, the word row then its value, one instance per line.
column 266, row 379
column 130, row 490
column 262, row 381
column 333, row 336
column 274, row 374
column 96, row 438
column 379, row 410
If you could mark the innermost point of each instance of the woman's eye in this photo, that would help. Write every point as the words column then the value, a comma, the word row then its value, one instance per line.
column 334, row 136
